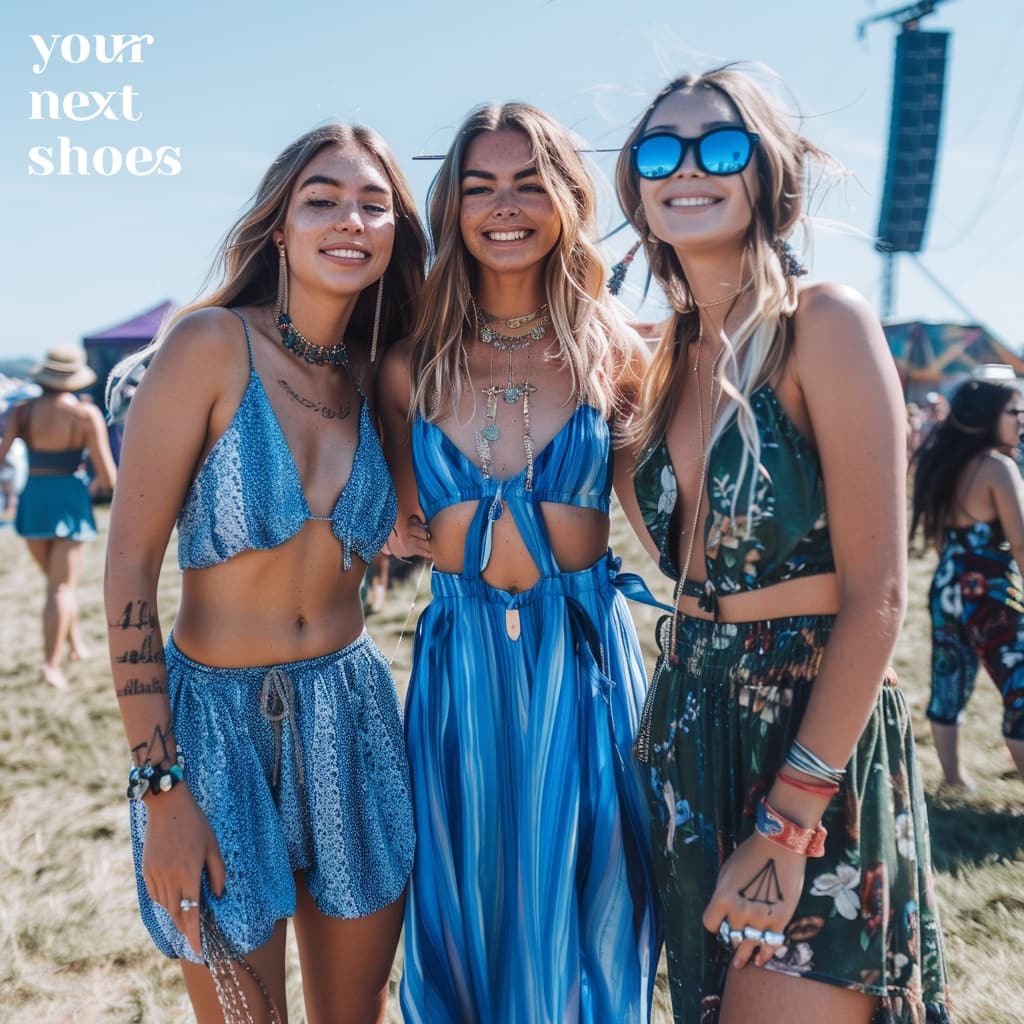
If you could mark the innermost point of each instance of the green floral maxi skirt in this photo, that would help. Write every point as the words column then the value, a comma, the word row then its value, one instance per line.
column 722, row 720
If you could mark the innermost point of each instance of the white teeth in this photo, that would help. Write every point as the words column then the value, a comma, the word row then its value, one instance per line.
column 506, row 236
column 348, row 254
column 692, row 201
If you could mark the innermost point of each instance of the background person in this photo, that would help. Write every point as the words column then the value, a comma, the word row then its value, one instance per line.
column 54, row 512
column 967, row 501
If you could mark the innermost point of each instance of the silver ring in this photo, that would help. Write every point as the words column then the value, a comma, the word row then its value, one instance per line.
column 725, row 933
column 189, row 904
column 735, row 937
column 773, row 938
column 753, row 934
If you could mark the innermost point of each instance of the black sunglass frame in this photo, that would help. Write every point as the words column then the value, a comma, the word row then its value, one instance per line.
column 695, row 141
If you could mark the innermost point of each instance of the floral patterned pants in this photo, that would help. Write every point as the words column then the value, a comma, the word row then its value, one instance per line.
column 723, row 718
column 976, row 616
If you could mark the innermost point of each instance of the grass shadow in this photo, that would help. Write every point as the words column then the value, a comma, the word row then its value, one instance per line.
column 967, row 835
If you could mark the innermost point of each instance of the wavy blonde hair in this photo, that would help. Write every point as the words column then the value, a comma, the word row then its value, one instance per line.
column 757, row 347
column 591, row 331
column 246, row 264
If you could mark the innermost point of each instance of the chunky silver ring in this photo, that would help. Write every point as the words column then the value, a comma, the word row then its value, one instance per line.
column 735, row 937
column 753, row 934
column 189, row 904
column 725, row 933
column 773, row 938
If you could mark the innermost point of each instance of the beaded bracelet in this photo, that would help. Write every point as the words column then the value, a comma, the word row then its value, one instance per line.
column 810, row 842
column 145, row 778
column 828, row 789
column 806, row 761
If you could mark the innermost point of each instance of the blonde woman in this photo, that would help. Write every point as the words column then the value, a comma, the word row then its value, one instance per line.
column 530, row 898
column 269, row 777
column 789, row 829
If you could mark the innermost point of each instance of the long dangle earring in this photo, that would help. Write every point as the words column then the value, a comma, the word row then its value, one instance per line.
column 291, row 337
column 376, row 319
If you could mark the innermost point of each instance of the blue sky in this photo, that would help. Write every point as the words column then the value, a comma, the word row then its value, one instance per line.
column 229, row 84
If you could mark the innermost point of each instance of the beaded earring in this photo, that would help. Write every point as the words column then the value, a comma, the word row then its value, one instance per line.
column 791, row 265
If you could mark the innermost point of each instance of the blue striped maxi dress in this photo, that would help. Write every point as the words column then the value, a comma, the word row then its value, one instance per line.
column 531, row 897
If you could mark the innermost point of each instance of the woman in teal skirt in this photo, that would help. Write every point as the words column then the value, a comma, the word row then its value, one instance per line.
column 54, row 513
column 531, row 897
column 789, row 832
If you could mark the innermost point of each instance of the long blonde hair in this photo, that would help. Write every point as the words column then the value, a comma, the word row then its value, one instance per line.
column 246, row 264
column 591, row 331
column 757, row 348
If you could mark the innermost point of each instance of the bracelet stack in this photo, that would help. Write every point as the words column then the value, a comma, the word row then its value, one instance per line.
column 773, row 826
column 143, row 779
column 806, row 761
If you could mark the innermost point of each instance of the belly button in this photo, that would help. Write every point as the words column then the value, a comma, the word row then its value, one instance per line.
column 300, row 622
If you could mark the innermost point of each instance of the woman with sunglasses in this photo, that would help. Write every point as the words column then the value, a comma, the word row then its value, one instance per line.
column 531, row 897
column 968, row 502
column 789, row 828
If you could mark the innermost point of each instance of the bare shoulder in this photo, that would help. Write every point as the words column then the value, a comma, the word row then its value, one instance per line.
column 838, row 335
column 998, row 468
column 205, row 351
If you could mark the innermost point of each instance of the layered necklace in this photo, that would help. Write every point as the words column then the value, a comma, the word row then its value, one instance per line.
column 511, row 392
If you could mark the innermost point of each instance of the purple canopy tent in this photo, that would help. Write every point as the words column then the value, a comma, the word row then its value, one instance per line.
column 105, row 349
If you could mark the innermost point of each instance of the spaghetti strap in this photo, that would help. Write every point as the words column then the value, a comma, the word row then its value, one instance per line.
column 248, row 339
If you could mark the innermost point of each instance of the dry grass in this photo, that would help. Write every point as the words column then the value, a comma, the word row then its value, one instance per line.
column 73, row 949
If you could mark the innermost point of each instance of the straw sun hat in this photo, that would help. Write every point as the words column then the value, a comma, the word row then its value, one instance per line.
column 64, row 369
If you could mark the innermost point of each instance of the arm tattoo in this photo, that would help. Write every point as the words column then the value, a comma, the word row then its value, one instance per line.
column 308, row 403
column 764, row 887
column 136, row 615
column 137, row 686
column 157, row 750
column 147, row 653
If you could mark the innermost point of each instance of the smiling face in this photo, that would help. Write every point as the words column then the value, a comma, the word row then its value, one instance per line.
column 339, row 225
column 507, row 219
column 691, row 208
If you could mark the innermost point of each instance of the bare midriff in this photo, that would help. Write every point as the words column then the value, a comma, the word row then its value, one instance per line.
column 290, row 603
column 811, row 595
column 578, row 537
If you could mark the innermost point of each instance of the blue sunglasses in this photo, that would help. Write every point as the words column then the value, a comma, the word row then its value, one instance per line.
column 720, row 151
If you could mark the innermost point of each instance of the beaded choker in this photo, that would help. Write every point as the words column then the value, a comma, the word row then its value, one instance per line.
column 302, row 348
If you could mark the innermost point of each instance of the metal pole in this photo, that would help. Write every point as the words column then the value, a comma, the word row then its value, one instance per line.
column 888, row 285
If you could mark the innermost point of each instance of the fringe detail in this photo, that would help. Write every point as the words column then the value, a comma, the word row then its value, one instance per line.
column 227, row 968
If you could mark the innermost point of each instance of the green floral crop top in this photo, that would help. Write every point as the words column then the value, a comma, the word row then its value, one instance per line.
column 788, row 529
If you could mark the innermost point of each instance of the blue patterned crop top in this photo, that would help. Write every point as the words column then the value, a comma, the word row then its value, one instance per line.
column 788, row 529
column 248, row 493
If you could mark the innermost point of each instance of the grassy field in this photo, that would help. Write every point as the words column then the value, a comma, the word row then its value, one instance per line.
column 73, row 949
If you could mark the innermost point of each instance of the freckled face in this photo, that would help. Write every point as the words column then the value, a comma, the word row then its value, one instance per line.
column 690, row 207
column 339, row 226
column 508, row 221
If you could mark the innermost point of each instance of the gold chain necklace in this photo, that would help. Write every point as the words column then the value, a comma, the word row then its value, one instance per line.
column 713, row 402
column 711, row 303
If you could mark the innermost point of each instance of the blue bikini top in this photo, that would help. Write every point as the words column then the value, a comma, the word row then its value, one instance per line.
column 248, row 496
column 574, row 468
